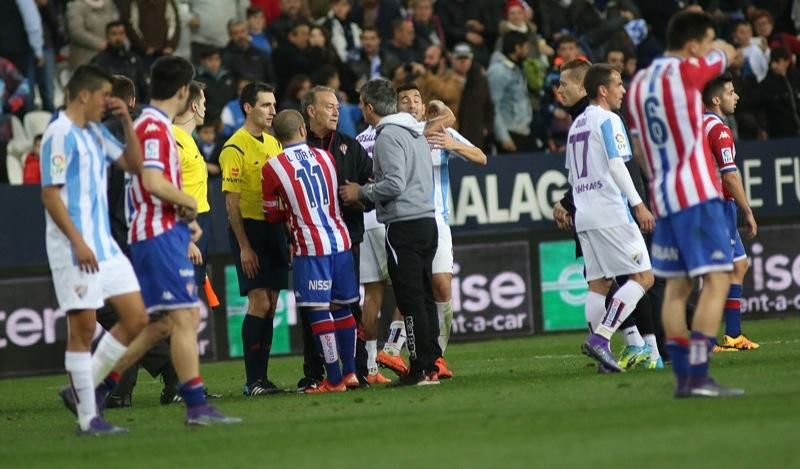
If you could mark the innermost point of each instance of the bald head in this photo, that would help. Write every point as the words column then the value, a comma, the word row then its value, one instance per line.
column 289, row 127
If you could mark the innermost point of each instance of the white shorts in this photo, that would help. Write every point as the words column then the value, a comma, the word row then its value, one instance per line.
column 611, row 252
column 443, row 260
column 373, row 263
column 77, row 290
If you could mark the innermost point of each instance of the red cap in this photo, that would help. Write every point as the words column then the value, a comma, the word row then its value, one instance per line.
column 515, row 3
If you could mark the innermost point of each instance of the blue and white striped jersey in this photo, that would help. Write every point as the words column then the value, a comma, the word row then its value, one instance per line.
column 441, row 176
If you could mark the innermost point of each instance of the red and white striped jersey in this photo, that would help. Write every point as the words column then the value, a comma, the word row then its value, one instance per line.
column 304, row 179
column 150, row 216
column 720, row 139
column 665, row 107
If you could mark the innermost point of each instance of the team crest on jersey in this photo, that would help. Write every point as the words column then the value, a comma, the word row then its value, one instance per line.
column 723, row 135
column 81, row 290
column 343, row 148
column 727, row 156
column 621, row 143
column 58, row 164
column 637, row 258
column 151, row 148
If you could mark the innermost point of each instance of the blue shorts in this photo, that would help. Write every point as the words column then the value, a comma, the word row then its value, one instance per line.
column 165, row 274
column 322, row 280
column 692, row 242
column 736, row 240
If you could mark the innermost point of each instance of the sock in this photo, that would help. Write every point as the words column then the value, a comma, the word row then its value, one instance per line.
column 397, row 337
column 345, row 325
column 594, row 310
column 632, row 337
column 372, row 354
column 733, row 312
column 193, row 392
column 79, row 371
column 109, row 351
column 650, row 339
column 445, row 312
column 622, row 305
column 251, row 346
column 699, row 347
column 267, row 333
column 325, row 340
column 107, row 386
column 678, row 348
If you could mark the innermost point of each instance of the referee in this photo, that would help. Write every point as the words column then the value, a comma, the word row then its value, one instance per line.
column 260, row 249
column 403, row 197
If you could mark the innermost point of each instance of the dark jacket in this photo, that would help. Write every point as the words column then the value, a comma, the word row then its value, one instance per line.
column 116, row 186
column 290, row 61
column 388, row 11
column 124, row 62
column 352, row 164
column 220, row 89
column 777, row 102
column 476, row 111
column 152, row 24
column 248, row 63
column 13, row 37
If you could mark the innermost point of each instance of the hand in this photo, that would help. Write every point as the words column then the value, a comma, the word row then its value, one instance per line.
column 250, row 264
column 474, row 38
column 349, row 192
column 195, row 255
column 196, row 231
column 417, row 69
column 168, row 51
column 188, row 212
column 86, row 259
column 39, row 62
column 194, row 23
column 118, row 108
column 441, row 140
column 647, row 223
column 729, row 50
column 475, row 25
column 562, row 217
column 752, row 227
column 509, row 146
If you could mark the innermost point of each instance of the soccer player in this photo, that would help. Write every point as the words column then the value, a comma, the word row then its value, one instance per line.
column 445, row 144
column 691, row 237
column 720, row 99
column 597, row 148
column 162, row 227
column 87, row 264
column 259, row 248
column 303, row 179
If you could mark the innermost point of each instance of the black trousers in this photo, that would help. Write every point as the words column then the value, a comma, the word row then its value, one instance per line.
column 410, row 248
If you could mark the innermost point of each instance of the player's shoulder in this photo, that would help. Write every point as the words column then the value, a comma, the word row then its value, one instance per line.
column 61, row 126
column 271, row 144
column 148, row 125
column 236, row 143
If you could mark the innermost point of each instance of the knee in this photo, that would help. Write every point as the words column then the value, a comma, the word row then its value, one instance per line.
column 134, row 325
column 188, row 319
column 739, row 270
column 260, row 305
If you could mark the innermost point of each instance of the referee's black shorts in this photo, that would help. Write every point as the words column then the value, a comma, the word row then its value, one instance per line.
column 268, row 240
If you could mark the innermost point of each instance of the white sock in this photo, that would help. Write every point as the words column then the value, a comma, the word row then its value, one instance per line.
column 632, row 337
column 622, row 305
column 594, row 310
column 650, row 339
column 79, row 370
column 372, row 354
column 397, row 338
column 445, row 312
column 108, row 353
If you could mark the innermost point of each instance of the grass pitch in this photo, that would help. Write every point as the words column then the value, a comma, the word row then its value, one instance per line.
column 532, row 402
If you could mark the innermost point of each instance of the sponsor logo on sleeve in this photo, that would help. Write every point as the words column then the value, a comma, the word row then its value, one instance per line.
column 622, row 144
column 58, row 165
column 151, row 148
column 727, row 156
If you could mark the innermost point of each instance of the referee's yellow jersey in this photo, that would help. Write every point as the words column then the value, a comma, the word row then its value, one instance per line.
column 241, row 160
column 193, row 169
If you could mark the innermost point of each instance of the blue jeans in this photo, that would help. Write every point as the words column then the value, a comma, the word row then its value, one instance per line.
column 45, row 78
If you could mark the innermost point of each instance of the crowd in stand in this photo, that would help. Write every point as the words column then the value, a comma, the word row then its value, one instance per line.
column 495, row 63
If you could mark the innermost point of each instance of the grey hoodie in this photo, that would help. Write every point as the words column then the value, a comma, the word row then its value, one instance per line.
column 403, row 171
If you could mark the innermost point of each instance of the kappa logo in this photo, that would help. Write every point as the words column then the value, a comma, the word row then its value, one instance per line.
column 724, row 134
column 167, row 296
column 152, row 127
column 718, row 256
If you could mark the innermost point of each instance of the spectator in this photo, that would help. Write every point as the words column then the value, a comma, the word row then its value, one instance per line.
column 378, row 14
column 86, row 23
column 320, row 48
column 154, row 27
column 220, row 84
column 14, row 92
column 754, row 49
column 210, row 145
column 472, row 21
column 53, row 35
column 31, row 170
column 778, row 98
column 440, row 82
column 618, row 58
column 512, row 108
column 117, row 59
column 476, row 113
column 764, row 25
column 372, row 60
column 349, row 114
column 427, row 26
column 232, row 114
column 21, row 36
column 293, row 56
column 292, row 12
column 271, row 9
column 257, row 28
column 297, row 88
column 401, row 48
column 209, row 23
column 345, row 33
column 598, row 22
column 243, row 59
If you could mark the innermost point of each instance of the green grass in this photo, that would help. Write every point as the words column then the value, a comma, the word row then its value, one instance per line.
column 530, row 402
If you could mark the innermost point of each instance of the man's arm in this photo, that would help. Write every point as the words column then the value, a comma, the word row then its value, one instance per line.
column 458, row 145
column 273, row 212
column 131, row 160
column 733, row 183
column 439, row 117
column 390, row 157
column 32, row 22
column 51, row 199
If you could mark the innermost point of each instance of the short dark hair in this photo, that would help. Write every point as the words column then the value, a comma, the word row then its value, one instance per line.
column 254, row 11
column 741, row 22
column 87, row 77
column 408, row 87
column 250, row 93
column 123, row 88
column 715, row 87
column 113, row 24
column 207, row 52
column 779, row 53
column 511, row 40
column 598, row 75
column 370, row 29
column 687, row 26
column 285, row 125
column 322, row 75
column 379, row 93
column 196, row 89
column 578, row 67
column 298, row 24
column 38, row 137
column 566, row 39
column 617, row 49
column 168, row 75
column 397, row 24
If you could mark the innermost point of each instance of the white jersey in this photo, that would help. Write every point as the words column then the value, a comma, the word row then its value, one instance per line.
column 441, row 176
column 367, row 140
column 595, row 137
column 77, row 159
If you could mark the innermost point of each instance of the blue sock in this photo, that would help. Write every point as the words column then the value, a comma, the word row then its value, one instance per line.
column 109, row 383
column 345, row 325
column 733, row 312
column 678, row 348
column 193, row 392
column 325, row 340
column 700, row 346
